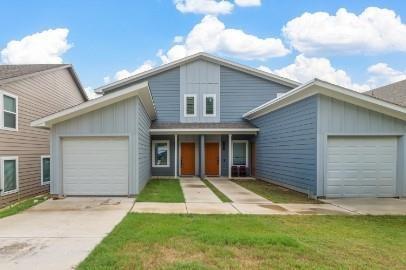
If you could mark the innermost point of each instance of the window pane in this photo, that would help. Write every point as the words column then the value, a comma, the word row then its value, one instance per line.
column 46, row 169
column 239, row 154
column 209, row 105
column 190, row 105
column 10, row 175
column 9, row 104
column 161, row 154
column 9, row 120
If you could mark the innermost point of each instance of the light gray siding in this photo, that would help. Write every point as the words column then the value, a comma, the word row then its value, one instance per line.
column 241, row 92
column 199, row 78
column 121, row 119
column 144, row 144
column 165, row 171
column 341, row 118
column 286, row 146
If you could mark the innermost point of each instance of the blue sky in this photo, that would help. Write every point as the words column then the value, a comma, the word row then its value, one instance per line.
column 101, row 38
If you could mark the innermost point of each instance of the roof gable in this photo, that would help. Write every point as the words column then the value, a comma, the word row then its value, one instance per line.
column 192, row 58
column 317, row 86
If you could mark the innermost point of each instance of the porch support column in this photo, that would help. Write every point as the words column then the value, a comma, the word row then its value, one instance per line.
column 202, row 155
column 176, row 155
column 230, row 161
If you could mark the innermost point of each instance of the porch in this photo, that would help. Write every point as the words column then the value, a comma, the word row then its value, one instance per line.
column 190, row 150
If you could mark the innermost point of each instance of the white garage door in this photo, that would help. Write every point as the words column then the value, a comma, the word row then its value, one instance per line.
column 361, row 167
column 95, row 166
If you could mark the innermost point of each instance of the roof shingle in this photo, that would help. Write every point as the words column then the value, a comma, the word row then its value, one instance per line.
column 394, row 93
column 13, row 71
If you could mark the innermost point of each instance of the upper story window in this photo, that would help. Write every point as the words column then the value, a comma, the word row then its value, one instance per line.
column 209, row 105
column 190, row 105
column 8, row 107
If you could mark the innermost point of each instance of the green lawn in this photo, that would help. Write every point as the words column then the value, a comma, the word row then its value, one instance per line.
column 218, row 193
column 162, row 190
column 153, row 241
column 275, row 193
column 21, row 206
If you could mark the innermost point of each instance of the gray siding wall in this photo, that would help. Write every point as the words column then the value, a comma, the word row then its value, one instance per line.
column 241, row 92
column 286, row 146
column 144, row 146
column 341, row 118
column 164, row 89
column 165, row 171
column 199, row 78
column 115, row 120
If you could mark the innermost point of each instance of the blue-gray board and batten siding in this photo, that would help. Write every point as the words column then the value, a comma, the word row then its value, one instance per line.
column 126, row 118
column 286, row 146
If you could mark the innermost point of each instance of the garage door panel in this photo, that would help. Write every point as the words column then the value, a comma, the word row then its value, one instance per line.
column 361, row 167
column 95, row 166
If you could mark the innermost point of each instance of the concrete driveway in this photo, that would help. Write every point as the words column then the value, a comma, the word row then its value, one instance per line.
column 371, row 206
column 58, row 234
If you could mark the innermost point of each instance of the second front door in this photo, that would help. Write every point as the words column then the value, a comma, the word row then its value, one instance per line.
column 212, row 159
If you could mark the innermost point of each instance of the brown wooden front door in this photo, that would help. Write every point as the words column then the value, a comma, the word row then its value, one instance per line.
column 187, row 162
column 212, row 159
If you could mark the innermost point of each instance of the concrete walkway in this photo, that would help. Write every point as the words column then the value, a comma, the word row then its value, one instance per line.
column 195, row 191
column 235, row 192
column 239, row 208
column 58, row 234
column 371, row 206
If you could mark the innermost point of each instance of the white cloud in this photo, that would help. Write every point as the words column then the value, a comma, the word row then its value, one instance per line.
column 382, row 74
column 122, row 74
column 178, row 39
column 248, row 3
column 305, row 69
column 213, row 7
column 90, row 93
column 46, row 47
column 374, row 30
column 107, row 79
column 211, row 35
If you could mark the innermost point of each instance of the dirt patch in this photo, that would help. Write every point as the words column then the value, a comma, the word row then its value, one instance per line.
column 320, row 211
column 274, row 207
column 13, row 248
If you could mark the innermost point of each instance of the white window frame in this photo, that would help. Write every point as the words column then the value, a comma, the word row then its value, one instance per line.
column 2, row 159
column 42, row 170
column 214, row 105
column 246, row 151
column 2, row 94
column 154, row 142
column 185, row 105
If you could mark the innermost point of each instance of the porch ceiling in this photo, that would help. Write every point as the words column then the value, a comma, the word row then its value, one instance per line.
column 207, row 128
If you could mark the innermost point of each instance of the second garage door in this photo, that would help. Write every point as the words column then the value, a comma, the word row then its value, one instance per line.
column 361, row 167
column 95, row 166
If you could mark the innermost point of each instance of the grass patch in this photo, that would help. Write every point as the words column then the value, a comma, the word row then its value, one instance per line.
column 153, row 241
column 21, row 206
column 218, row 193
column 162, row 190
column 275, row 193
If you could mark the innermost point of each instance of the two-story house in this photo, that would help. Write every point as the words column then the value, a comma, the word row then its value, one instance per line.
column 28, row 92
column 206, row 116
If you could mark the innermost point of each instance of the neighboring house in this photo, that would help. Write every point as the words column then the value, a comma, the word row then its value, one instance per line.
column 28, row 92
column 394, row 93
column 206, row 116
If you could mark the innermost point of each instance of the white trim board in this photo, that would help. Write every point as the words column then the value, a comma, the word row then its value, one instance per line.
column 204, row 130
column 317, row 86
column 141, row 90
column 194, row 57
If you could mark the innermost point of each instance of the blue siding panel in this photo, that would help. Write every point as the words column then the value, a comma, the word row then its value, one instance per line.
column 286, row 146
column 144, row 144
column 241, row 92
column 165, row 90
